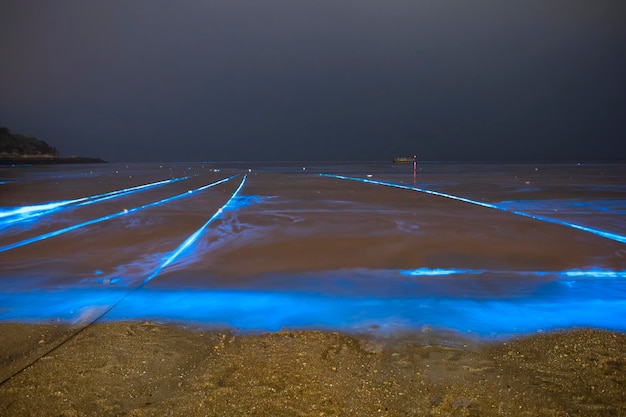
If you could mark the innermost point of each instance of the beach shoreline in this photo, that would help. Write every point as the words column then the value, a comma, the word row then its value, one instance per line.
column 149, row 369
column 307, row 259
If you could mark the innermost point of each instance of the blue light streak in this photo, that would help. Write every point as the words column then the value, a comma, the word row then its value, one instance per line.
column 607, row 235
column 591, row 273
column 194, row 237
column 595, row 274
column 115, row 194
column 26, row 212
column 108, row 217
column 430, row 272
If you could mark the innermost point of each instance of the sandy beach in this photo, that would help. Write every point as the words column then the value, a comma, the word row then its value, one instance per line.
column 406, row 301
column 148, row 369
column 313, row 208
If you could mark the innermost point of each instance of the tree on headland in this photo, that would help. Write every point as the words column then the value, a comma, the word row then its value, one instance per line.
column 15, row 144
column 18, row 149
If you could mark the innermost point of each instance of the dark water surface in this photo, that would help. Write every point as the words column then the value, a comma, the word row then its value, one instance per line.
column 489, row 250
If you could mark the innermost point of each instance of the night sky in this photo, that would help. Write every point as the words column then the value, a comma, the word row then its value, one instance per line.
column 202, row 80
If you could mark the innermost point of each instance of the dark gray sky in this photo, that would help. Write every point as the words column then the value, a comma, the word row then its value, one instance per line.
column 156, row 80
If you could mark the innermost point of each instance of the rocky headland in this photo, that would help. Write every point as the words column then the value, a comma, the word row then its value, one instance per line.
column 19, row 149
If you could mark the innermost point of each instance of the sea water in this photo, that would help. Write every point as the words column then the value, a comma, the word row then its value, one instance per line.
column 487, row 250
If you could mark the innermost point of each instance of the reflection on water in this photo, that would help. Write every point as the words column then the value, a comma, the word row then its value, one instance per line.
column 291, row 248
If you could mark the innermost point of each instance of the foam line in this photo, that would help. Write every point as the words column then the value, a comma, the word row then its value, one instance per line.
column 602, row 233
column 108, row 217
column 25, row 212
column 194, row 237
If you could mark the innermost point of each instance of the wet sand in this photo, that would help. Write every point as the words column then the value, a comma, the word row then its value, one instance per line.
column 148, row 369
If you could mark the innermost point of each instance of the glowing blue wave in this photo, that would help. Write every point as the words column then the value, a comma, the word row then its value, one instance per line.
column 595, row 274
column 273, row 310
column 26, row 212
column 120, row 193
column 569, row 206
column 607, row 235
column 108, row 217
column 439, row 271
column 591, row 273
column 191, row 239
column 494, row 310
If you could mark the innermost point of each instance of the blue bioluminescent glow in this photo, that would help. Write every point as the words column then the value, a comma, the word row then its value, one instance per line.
column 108, row 217
column 439, row 271
column 599, row 273
column 276, row 310
column 191, row 239
column 607, row 235
column 568, row 206
column 22, row 213
column 115, row 194
column 602, row 233
column 559, row 307
column 481, row 303
column 591, row 273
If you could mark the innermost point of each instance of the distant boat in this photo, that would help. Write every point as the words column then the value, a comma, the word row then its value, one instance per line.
column 403, row 159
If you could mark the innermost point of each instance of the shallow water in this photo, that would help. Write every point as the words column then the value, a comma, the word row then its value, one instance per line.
column 486, row 250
